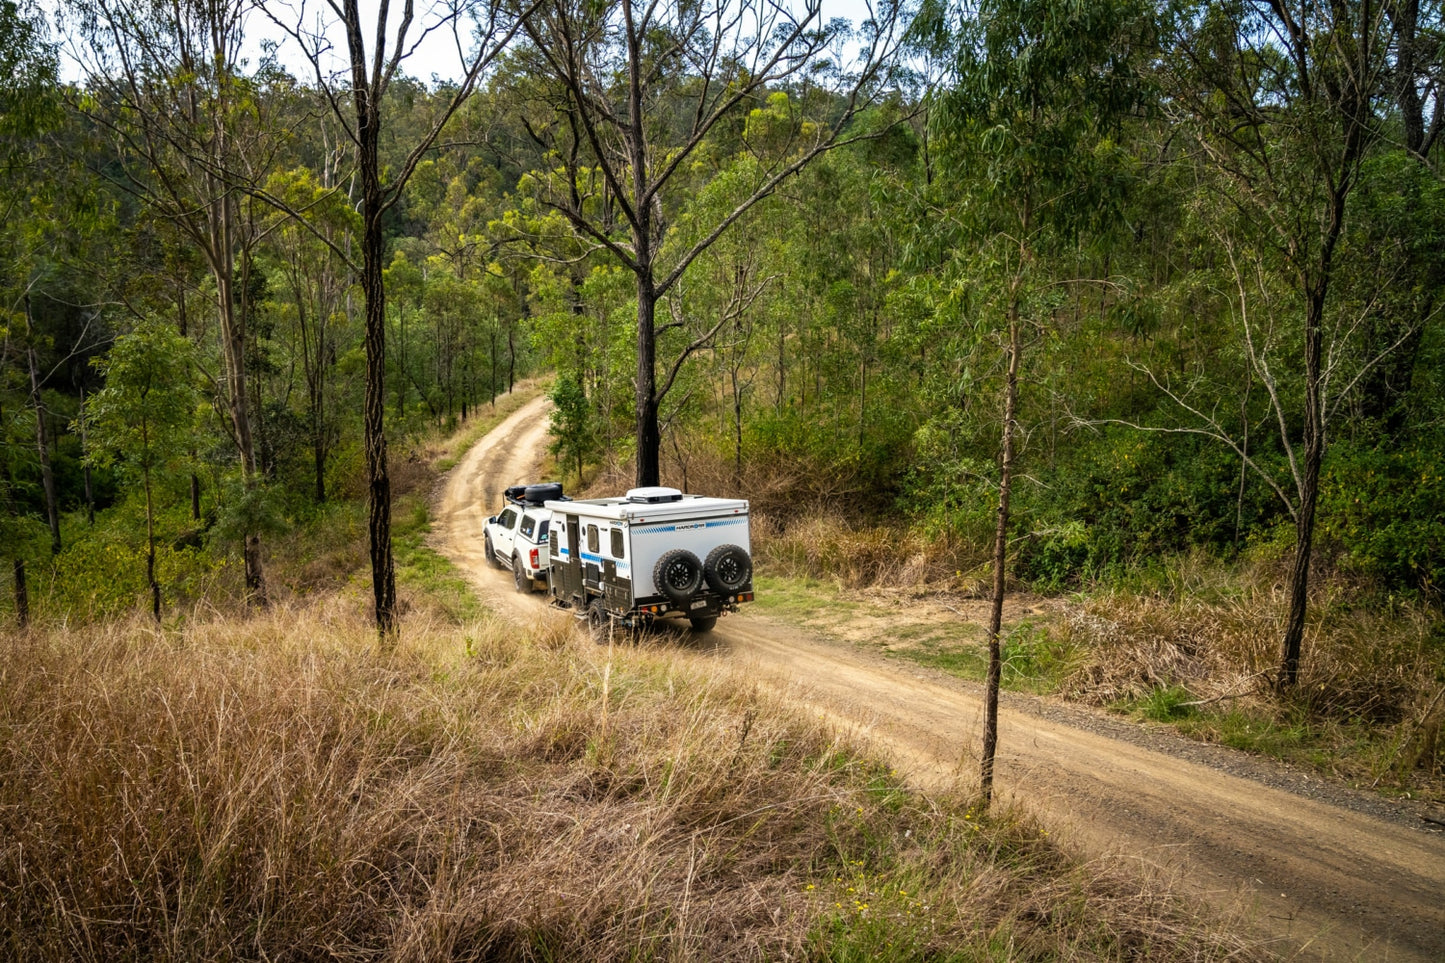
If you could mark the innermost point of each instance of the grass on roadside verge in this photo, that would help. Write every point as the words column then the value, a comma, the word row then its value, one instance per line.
column 276, row 788
column 1368, row 709
column 1034, row 659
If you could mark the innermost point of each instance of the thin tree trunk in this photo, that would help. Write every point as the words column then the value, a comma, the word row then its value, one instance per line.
column 1314, row 432
column 22, row 593
column 401, row 362
column 42, row 442
column 155, row 586
column 649, row 438
column 383, row 570
column 85, row 464
column 737, row 431
column 1000, row 559
column 233, row 344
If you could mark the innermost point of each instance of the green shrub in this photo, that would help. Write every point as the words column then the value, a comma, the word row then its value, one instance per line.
column 1386, row 511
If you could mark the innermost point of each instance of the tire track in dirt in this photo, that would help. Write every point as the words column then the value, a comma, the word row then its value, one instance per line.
column 1327, row 882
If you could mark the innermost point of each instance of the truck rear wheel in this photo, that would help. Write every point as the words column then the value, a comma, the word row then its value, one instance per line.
column 727, row 569
column 677, row 575
column 519, row 576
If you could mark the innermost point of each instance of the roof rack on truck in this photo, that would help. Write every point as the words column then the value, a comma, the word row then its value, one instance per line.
column 534, row 495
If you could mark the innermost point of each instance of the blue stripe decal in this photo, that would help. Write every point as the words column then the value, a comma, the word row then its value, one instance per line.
column 654, row 529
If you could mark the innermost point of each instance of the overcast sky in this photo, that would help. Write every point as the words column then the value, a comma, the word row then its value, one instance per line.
column 436, row 58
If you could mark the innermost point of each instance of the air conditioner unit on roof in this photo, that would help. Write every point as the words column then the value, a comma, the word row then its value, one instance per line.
column 654, row 496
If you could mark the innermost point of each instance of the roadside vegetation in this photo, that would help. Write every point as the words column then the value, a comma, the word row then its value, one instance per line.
column 1188, row 641
column 280, row 787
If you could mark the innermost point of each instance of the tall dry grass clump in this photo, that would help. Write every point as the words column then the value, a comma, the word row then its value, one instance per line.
column 277, row 789
column 1371, row 691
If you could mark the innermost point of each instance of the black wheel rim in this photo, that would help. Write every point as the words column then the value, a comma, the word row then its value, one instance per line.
column 679, row 575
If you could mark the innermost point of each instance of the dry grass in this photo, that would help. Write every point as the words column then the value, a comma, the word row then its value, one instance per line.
column 1205, row 652
column 277, row 789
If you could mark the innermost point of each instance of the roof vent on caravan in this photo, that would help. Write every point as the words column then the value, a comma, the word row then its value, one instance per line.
column 654, row 496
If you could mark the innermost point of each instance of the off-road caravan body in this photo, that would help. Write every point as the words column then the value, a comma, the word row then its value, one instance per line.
column 654, row 553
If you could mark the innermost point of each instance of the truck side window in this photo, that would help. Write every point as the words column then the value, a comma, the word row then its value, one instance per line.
column 542, row 531
column 592, row 539
column 617, row 544
column 508, row 519
column 528, row 524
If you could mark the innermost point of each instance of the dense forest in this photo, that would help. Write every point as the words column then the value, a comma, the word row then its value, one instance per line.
column 1167, row 276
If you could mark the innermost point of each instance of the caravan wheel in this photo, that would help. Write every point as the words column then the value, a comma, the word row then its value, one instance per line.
column 599, row 622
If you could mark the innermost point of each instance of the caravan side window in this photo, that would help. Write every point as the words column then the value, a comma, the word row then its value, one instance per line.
column 617, row 544
column 592, row 539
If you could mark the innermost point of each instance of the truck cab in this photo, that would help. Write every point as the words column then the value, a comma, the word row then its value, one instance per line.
column 516, row 538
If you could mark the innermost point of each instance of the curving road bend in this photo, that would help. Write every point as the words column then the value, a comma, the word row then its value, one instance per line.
column 1326, row 881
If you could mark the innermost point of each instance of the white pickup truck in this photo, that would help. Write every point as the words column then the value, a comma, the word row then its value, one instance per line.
column 516, row 537
column 653, row 553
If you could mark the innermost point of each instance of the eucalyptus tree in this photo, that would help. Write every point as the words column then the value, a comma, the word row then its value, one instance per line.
column 1037, row 87
column 1281, row 105
column 188, row 133
column 355, row 85
column 28, row 108
column 633, row 94
column 314, row 287
column 143, row 419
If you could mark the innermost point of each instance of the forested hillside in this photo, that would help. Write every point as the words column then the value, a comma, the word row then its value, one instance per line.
column 1166, row 277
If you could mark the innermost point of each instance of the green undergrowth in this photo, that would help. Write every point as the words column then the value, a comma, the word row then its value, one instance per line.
column 309, row 549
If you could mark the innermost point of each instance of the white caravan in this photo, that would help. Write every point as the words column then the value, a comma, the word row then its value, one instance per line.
column 653, row 553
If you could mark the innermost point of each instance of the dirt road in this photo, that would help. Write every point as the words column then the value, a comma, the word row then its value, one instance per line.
column 1326, row 881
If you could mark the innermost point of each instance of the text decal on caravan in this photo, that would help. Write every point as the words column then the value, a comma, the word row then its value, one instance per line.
column 689, row 526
